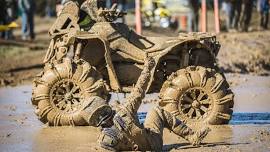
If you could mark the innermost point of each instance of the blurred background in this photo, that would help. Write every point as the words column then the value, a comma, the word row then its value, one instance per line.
column 180, row 15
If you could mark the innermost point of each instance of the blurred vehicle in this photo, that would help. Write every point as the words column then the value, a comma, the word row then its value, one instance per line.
column 155, row 12
column 167, row 13
column 180, row 14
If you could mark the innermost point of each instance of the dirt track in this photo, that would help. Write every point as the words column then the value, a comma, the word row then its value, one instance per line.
column 21, row 61
column 247, row 53
column 67, row 139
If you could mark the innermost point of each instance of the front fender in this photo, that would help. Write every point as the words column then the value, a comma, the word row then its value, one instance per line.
column 114, row 83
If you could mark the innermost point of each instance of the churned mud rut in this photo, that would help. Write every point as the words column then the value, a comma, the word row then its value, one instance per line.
column 20, row 130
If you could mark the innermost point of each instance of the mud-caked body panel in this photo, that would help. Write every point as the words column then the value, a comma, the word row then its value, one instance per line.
column 128, row 51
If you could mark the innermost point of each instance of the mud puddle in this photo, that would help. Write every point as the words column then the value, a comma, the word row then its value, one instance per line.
column 21, row 131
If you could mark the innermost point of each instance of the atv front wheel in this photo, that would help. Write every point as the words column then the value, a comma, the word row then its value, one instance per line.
column 198, row 95
column 60, row 91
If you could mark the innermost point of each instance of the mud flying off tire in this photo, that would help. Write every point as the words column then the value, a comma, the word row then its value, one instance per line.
column 198, row 95
column 59, row 92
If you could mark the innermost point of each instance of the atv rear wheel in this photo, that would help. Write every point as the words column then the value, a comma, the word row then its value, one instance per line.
column 198, row 95
column 60, row 91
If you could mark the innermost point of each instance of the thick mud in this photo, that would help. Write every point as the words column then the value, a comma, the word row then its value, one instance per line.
column 80, row 139
column 251, row 93
column 245, row 53
column 20, row 130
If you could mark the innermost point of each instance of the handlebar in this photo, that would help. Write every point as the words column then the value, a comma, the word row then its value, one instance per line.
column 111, row 14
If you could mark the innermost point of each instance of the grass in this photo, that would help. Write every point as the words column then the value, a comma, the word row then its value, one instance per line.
column 12, row 51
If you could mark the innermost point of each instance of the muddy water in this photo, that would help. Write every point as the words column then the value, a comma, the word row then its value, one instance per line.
column 252, row 93
column 21, row 131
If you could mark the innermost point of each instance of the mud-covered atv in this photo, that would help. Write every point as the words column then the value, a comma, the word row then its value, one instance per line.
column 108, row 57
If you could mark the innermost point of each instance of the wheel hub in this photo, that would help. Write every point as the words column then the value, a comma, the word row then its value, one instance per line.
column 195, row 103
column 68, row 96
column 65, row 95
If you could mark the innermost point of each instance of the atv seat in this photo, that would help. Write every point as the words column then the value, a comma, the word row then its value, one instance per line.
column 151, row 44
column 160, row 43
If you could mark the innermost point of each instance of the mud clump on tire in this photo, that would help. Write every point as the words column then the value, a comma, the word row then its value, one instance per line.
column 60, row 90
column 198, row 94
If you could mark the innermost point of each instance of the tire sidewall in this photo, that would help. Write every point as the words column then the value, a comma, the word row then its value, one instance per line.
column 68, row 70
column 179, row 81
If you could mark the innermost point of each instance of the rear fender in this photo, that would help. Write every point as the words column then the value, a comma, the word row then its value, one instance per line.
column 188, row 42
column 185, row 44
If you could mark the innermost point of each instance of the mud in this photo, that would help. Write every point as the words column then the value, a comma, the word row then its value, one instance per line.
column 177, row 88
column 20, row 130
column 251, row 95
column 20, row 63
column 251, row 91
column 245, row 53
column 65, row 139
column 53, row 82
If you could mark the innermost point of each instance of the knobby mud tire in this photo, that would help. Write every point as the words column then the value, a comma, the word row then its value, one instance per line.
column 60, row 90
column 202, row 89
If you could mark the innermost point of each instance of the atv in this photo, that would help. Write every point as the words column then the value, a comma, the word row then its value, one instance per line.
column 98, row 55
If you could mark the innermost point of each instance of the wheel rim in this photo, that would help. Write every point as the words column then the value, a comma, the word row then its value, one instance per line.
column 66, row 96
column 195, row 103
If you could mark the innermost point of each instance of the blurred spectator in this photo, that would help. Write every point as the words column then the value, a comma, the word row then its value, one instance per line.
column 159, row 3
column 113, row 2
column 147, row 12
column 3, row 15
column 27, row 8
column 247, row 14
column 227, row 8
column 11, row 9
column 102, row 3
column 122, row 6
column 147, row 5
column 195, row 6
column 236, row 13
column 108, row 3
column 50, row 11
column 263, row 8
